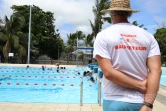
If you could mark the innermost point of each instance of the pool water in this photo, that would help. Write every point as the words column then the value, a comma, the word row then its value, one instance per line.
column 163, row 77
column 18, row 84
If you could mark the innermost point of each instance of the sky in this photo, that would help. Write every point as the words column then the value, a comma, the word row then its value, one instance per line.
column 74, row 15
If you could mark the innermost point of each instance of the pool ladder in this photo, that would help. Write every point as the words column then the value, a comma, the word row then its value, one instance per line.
column 81, row 92
column 99, row 92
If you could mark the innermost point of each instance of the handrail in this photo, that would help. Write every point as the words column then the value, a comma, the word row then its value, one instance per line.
column 81, row 92
column 99, row 92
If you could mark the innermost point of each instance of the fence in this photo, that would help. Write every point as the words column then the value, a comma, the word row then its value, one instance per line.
column 63, row 62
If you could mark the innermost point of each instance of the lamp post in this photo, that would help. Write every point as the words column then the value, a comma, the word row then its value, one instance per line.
column 29, row 36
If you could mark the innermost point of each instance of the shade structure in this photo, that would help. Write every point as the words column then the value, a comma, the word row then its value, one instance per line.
column 85, row 48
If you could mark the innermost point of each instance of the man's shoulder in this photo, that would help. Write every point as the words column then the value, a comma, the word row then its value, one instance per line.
column 109, row 29
column 116, row 29
column 143, row 31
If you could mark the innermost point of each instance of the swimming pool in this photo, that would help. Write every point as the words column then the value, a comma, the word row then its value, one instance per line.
column 35, row 85
column 163, row 77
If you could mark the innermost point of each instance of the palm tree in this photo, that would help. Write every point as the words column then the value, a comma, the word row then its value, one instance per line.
column 89, row 40
column 11, row 28
column 1, row 33
column 98, row 22
column 72, row 41
column 136, row 24
column 1, row 25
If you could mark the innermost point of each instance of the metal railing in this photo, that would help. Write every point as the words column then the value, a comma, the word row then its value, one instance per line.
column 81, row 92
column 99, row 91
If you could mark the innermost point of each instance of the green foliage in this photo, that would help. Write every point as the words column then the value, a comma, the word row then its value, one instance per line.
column 56, row 48
column 97, row 25
column 99, row 18
column 89, row 40
column 44, row 38
column 10, row 39
column 72, row 41
column 2, row 41
column 160, row 36
column 136, row 24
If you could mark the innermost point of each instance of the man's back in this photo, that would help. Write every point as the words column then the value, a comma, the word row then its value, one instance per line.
column 128, row 48
column 124, row 52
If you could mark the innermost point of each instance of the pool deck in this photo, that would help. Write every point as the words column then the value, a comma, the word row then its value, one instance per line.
column 61, row 107
column 48, row 107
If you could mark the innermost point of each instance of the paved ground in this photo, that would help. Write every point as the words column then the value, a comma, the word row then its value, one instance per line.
column 48, row 107
column 61, row 107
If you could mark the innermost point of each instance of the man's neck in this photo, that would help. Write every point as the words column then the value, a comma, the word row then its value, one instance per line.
column 120, row 20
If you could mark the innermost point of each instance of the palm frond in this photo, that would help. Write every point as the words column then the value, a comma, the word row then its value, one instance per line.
column 21, row 51
column 15, row 41
column 3, row 37
column 6, row 19
column 97, row 25
column 6, row 49
column 141, row 26
column 94, row 10
column 92, row 25
column 17, row 22
column 135, row 23
column 107, row 19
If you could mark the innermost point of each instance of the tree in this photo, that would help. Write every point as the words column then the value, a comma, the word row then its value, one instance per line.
column 99, row 17
column 10, row 37
column 1, row 25
column 56, row 49
column 160, row 36
column 97, row 25
column 89, row 40
column 2, row 42
column 44, row 37
column 72, row 41
column 136, row 24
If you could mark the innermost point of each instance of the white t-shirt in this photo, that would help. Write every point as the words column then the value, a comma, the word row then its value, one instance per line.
column 128, row 47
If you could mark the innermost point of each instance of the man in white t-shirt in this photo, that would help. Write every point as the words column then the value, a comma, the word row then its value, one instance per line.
column 129, row 57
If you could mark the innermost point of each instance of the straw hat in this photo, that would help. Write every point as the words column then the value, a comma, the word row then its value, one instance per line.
column 119, row 5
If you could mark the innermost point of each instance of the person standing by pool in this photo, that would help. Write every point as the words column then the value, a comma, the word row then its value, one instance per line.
column 129, row 57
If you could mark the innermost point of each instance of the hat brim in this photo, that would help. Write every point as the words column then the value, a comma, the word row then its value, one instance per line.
column 118, row 9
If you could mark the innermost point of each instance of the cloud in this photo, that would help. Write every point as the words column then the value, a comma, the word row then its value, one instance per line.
column 78, row 12
column 75, row 12
column 64, row 34
column 86, row 29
